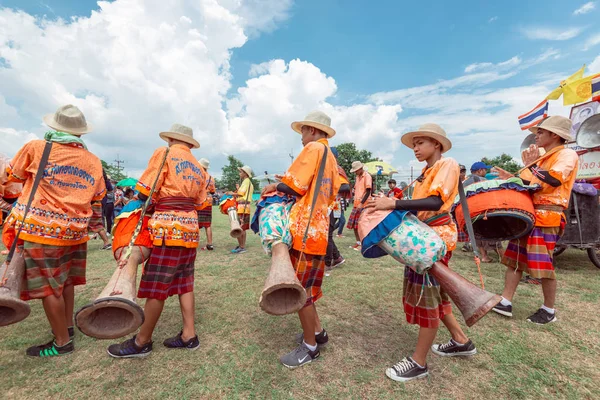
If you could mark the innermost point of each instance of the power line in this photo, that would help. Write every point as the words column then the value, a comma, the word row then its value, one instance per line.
column 119, row 162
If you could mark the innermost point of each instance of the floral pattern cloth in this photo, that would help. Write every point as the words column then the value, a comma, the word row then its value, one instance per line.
column 273, row 223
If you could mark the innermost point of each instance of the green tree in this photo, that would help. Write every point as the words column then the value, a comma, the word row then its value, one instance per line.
column 348, row 153
column 231, row 175
column 112, row 171
column 504, row 161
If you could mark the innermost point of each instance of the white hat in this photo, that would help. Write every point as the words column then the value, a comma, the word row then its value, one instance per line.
column 68, row 119
column 205, row 163
column 356, row 165
column 247, row 170
column 316, row 119
column 556, row 124
column 181, row 133
column 433, row 131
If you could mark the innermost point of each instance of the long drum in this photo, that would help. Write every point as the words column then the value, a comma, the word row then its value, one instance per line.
column 411, row 242
column 228, row 207
column 283, row 293
column 12, row 308
column 500, row 210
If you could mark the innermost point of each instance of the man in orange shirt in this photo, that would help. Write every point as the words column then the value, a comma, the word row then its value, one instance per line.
column 309, row 226
column 53, row 239
column 179, row 192
column 555, row 173
column 362, row 191
column 205, row 213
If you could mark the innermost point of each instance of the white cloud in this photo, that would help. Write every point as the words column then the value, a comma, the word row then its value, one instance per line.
column 586, row 8
column 591, row 42
column 508, row 64
column 545, row 33
column 594, row 66
column 494, row 18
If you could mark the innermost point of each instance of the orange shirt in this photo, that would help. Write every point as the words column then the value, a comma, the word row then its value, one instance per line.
column 563, row 166
column 363, row 182
column 181, row 176
column 210, row 188
column 244, row 198
column 440, row 180
column 301, row 177
column 62, row 205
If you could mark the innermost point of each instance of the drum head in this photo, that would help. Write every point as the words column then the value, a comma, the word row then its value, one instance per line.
column 588, row 134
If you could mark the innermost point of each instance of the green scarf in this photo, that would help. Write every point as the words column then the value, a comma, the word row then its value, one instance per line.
column 64, row 138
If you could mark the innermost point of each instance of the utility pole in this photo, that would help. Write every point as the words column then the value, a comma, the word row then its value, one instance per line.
column 119, row 162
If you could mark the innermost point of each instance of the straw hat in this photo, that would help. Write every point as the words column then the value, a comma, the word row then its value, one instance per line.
column 433, row 131
column 205, row 163
column 182, row 133
column 356, row 165
column 247, row 170
column 556, row 124
column 68, row 119
column 316, row 119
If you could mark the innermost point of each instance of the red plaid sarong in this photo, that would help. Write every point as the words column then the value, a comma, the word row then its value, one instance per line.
column 96, row 221
column 169, row 271
column 433, row 304
column 244, row 221
column 205, row 217
column 534, row 253
column 310, row 269
column 48, row 269
column 354, row 216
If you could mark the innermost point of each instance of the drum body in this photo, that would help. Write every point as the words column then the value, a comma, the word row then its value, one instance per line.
column 401, row 235
column 499, row 210
column 227, row 204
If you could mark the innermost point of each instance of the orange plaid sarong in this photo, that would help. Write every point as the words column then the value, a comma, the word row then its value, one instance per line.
column 310, row 269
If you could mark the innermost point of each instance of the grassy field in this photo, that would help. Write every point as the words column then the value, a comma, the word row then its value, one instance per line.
column 362, row 311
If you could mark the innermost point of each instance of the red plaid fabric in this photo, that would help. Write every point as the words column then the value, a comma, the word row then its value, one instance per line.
column 354, row 216
column 48, row 269
column 205, row 217
column 425, row 303
column 96, row 221
column 244, row 221
column 534, row 253
column 168, row 272
column 309, row 270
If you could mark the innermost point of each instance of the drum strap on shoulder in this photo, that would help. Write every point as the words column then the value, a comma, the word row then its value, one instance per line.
column 36, row 182
column 316, row 193
column 470, row 231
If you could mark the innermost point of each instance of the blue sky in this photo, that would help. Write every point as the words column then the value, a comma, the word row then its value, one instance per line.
column 370, row 50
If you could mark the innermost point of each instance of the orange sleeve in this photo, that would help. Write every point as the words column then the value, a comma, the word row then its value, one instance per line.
column 147, row 179
column 445, row 181
column 566, row 162
column 201, row 198
column 300, row 174
column 18, row 167
column 99, row 189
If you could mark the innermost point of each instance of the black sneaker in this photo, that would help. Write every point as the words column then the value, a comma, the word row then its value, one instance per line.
column 503, row 310
column 210, row 247
column 322, row 338
column 129, row 349
column 177, row 342
column 454, row 349
column 542, row 317
column 71, row 332
column 406, row 370
column 50, row 349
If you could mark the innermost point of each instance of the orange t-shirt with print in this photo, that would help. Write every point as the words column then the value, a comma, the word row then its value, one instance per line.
column 301, row 177
column 62, row 205
column 210, row 188
column 181, row 176
column 563, row 166
column 363, row 183
column 440, row 180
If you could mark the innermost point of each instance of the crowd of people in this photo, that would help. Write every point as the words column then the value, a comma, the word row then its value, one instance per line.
column 52, row 233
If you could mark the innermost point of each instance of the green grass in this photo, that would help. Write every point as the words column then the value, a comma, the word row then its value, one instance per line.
column 362, row 311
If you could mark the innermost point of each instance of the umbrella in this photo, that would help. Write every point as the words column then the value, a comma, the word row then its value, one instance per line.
column 379, row 168
column 127, row 182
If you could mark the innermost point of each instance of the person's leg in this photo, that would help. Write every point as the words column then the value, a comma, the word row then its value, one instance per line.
column 104, row 237
column 342, row 224
column 454, row 328
column 209, row 236
column 243, row 240
column 549, row 290
column 186, row 303
column 329, row 256
column 484, row 254
column 110, row 210
column 69, row 299
column 356, row 235
column 308, row 318
column 55, row 312
column 424, row 343
column 152, row 311
column 511, row 281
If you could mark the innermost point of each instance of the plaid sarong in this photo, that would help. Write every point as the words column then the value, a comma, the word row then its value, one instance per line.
column 534, row 252
column 48, row 269
column 169, row 271
column 309, row 270
column 244, row 221
column 433, row 304
column 96, row 221
column 354, row 216
column 205, row 217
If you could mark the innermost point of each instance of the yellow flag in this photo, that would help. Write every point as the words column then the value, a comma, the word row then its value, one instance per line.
column 555, row 94
column 578, row 91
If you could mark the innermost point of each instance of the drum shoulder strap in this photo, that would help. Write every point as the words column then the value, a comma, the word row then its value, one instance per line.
column 316, row 191
column 467, row 214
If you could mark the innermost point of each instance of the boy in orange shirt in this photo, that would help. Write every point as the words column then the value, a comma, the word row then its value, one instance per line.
column 362, row 191
column 309, row 226
column 53, row 240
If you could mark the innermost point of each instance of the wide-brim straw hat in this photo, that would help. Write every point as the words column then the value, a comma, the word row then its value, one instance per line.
column 556, row 124
column 247, row 170
column 356, row 165
column 433, row 131
column 182, row 133
column 205, row 163
column 68, row 119
column 316, row 119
